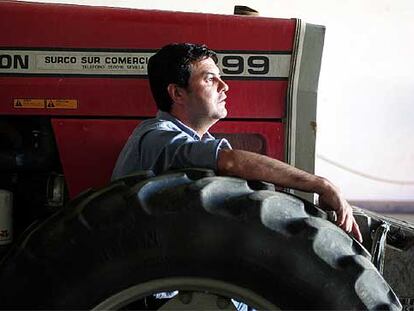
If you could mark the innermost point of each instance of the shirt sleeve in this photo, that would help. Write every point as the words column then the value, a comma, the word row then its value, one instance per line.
column 174, row 150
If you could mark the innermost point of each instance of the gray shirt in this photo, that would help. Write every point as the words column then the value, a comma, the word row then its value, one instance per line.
column 165, row 143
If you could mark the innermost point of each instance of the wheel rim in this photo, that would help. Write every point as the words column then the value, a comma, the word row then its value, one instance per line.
column 208, row 287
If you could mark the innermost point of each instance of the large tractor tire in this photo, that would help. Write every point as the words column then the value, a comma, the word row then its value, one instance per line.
column 196, row 233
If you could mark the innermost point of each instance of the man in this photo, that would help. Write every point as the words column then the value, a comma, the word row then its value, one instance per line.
column 191, row 96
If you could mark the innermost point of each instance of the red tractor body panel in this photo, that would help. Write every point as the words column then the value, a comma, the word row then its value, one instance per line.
column 93, row 112
column 78, row 28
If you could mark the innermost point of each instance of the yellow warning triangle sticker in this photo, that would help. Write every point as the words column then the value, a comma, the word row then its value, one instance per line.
column 29, row 103
column 50, row 104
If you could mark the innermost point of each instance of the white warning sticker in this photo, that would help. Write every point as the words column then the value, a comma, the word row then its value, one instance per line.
column 238, row 64
column 73, row 62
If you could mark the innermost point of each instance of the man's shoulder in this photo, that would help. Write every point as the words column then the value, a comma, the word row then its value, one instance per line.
column 156, row 124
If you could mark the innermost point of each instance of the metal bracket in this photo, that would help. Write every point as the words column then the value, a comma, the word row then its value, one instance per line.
column 378, row 246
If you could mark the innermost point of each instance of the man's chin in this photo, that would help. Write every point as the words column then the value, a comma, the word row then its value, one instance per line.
column 222, row 111
column 222, row 114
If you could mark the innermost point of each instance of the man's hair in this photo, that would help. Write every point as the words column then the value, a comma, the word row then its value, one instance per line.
column 172, row 64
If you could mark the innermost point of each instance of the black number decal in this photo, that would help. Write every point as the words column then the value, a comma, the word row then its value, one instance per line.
column 260, row 65
column 233, row 65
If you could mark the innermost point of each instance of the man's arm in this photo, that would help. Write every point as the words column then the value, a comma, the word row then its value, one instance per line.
column 254, row 166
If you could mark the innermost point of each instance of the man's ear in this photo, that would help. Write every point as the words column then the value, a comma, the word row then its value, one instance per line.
column 176, row 93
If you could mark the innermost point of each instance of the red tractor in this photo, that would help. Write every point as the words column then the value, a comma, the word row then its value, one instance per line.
column 73, row 86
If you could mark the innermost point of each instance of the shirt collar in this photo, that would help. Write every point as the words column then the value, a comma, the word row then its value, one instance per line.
column 169, row 117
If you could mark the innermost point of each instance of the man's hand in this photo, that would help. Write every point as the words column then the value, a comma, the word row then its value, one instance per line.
column 331, row 199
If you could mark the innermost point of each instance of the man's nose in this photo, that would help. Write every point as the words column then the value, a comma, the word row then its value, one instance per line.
column 223, row 86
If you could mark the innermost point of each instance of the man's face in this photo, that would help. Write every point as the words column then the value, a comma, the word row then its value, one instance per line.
column 206, row 92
